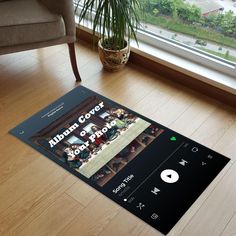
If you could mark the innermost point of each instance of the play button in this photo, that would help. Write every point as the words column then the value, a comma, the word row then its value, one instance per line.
column 169, row 176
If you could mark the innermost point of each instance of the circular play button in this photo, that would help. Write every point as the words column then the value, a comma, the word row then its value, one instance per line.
column 169, row 176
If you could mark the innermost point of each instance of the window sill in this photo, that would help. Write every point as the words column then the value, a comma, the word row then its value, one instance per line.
column 192, row 69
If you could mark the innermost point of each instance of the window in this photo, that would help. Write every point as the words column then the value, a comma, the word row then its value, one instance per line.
column 74, row 140
column 203, row 31
column 88, row 128
column 104, row 115
column 200, row 30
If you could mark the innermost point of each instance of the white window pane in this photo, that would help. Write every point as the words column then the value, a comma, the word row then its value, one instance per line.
column 74, row 140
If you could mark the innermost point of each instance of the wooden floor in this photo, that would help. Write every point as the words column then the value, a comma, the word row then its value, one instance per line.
column 37, row 197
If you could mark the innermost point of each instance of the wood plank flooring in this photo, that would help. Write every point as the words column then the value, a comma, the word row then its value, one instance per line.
column 37, row 197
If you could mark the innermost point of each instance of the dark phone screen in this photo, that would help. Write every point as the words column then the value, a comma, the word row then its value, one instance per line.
column 150, row 170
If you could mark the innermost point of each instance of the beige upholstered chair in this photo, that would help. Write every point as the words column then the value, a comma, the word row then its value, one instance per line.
column 31, row 24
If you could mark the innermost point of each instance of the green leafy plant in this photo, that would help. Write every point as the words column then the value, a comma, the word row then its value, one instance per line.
column 115, row 21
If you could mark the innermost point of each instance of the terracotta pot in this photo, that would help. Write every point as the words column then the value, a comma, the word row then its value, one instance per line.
column 113, row 60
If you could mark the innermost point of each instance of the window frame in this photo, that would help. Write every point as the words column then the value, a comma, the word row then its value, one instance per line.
column 179, row 49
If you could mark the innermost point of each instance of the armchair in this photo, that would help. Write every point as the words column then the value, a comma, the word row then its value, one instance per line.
column 31, row 24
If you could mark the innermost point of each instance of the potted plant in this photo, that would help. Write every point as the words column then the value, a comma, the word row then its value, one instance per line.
column 115, row 22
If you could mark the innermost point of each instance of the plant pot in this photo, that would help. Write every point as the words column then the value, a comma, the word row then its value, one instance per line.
column 113, row 60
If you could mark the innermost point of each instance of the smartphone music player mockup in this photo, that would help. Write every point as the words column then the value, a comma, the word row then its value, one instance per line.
column 150, row 170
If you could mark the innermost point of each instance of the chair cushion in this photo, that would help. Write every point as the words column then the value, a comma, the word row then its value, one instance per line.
column 27, row 21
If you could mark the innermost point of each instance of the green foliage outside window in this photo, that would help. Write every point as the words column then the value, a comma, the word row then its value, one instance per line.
column 224, row 23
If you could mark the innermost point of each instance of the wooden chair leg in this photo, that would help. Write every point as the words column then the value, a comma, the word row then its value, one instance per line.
column 73, row 61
